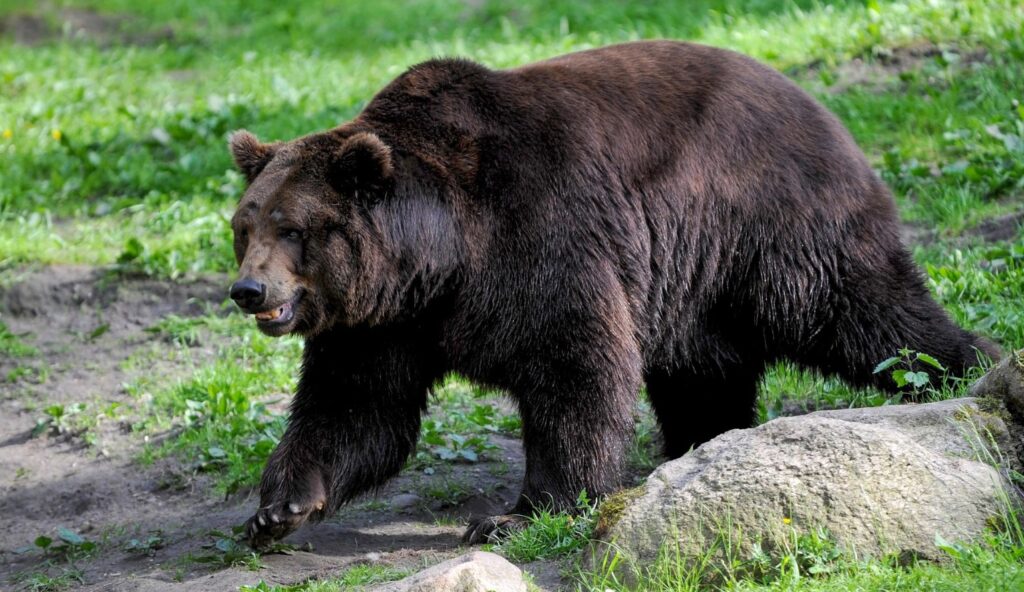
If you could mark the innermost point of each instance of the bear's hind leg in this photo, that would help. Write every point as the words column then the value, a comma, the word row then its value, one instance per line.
column 577, row 420
column 882, row 311
column 693, row 407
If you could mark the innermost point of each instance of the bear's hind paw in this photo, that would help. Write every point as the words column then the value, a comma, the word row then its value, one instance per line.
column 491, row 529
column 276, row 521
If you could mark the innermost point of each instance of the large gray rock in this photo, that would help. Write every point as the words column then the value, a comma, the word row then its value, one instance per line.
column 472, row 572
column 958, row 427
column 883, row 480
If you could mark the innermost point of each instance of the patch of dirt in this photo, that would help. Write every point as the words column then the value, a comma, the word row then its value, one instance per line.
column 881, row 71
column 999, row 228
column 103, row 29
column 87, row 325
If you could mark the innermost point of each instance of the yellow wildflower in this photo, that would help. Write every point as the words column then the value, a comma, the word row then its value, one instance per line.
column 787, row 520
column 8, row 134
column 56, row 134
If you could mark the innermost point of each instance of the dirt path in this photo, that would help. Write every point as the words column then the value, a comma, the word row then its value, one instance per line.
column 88, row 328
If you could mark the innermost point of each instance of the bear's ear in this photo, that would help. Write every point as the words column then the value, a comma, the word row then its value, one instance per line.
column 362, row 166
column 250, row 154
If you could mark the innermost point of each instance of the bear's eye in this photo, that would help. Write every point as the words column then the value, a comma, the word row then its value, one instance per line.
column 290, row 234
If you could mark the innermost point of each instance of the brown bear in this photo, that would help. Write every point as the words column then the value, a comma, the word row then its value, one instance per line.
column 567, row 231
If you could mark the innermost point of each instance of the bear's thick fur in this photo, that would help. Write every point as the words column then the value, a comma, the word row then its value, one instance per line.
column 658, row 212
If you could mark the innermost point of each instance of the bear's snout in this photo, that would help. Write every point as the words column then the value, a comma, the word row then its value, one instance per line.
column 248, row 293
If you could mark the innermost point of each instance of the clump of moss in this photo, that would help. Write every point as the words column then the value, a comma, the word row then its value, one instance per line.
column 988, row 405
column 613, row 507
column 989, row 416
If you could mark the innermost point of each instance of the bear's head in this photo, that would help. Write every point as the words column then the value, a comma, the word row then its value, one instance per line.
column 334, row 228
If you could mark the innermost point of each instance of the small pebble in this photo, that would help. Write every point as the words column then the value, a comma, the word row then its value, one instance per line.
column 404, row 500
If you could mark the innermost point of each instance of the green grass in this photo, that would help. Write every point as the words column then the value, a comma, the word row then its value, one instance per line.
column 14, row 345
column 354, row 578
column 462, row 432
column 811, row 562
column 138, row 171
column 550, row 534
column 60, row 566
column 217, row 419
column 114, row 154
column 981, row 286
column 956, row 152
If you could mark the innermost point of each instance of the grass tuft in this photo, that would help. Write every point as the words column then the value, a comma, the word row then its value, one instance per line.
column 550, row 534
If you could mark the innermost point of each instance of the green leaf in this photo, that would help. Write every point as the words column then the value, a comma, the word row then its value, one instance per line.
column 98, row 331
column 886, row 364
column 70, row 537
column 133, row 249
column 931, row 362
column 282, row 548
column 43, row 542
column 899, row 377
column 918, row 379
column 949, row 548
column 433, row 438
column 42, row 425
column 263, row 447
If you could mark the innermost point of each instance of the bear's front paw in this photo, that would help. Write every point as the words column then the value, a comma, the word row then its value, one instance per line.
column 492, row 529
column 278, row 520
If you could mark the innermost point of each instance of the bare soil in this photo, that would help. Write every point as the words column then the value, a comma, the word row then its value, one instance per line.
column 87, row 325
column 47, row 24
column 880, row 72
column 998, row 228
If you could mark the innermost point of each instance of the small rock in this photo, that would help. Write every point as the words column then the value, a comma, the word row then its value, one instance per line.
column 403, row 501
column 473, row 572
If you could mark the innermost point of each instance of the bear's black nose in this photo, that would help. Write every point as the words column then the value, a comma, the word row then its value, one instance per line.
column 248, row 293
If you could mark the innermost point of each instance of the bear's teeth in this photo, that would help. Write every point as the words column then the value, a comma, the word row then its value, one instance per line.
column 269, row 315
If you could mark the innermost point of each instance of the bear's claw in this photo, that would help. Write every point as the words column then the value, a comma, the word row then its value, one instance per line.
column 492, row 529
column 276, row 521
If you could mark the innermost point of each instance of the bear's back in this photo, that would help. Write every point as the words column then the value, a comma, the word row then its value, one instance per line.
column 697, row 173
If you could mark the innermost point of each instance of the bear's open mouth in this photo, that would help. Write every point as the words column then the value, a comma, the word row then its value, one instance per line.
column 279, row 316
